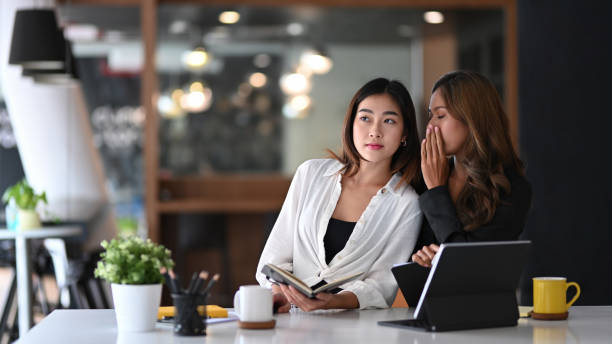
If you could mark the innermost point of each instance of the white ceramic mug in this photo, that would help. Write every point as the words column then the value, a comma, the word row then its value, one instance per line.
column 253, row 303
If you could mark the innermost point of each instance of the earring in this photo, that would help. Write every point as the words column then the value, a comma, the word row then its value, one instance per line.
column 404, row 143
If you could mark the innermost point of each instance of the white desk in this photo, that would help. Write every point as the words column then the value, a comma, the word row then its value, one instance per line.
column 24, row 266
column 587, row 324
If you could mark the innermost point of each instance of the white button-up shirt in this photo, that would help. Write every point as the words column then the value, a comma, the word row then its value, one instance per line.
column 384, row 235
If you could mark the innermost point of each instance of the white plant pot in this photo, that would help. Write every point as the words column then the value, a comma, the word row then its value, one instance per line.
column 27, row 219
column 136, row 306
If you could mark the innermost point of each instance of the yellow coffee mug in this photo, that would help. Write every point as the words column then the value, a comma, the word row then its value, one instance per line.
column 550, row 295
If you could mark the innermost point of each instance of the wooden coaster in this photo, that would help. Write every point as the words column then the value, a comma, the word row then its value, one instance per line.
column 257, row 325
column 552, row 316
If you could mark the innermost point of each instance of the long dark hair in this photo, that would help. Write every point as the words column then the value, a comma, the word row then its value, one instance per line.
column 407, row 158
column 472, row 99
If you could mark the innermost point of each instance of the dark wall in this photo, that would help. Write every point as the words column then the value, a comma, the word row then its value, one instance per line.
column 565, row 58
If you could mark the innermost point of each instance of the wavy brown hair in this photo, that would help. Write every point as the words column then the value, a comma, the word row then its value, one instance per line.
column 472, row 99
column 407, row 158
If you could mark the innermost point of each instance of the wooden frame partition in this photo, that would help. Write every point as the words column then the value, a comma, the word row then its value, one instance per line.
column 149, row 91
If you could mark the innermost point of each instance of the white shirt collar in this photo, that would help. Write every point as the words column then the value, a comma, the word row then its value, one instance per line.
column 335, row 169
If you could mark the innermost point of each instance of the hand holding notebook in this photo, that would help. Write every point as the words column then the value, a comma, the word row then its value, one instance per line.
column 277, row 275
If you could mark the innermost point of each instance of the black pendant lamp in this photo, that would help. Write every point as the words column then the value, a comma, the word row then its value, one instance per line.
column 37, row 41
column 56, row 75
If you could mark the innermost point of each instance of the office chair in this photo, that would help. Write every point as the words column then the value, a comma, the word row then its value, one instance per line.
column 77, row 286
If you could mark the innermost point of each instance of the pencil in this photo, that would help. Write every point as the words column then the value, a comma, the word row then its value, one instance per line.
column 194, row 278
column 211, row 283
column 169, row 283
column 175, row 282
column 201, row 279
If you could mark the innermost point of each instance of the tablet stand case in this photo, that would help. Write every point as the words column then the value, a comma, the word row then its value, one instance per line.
column 471, row 308
column 464, row 312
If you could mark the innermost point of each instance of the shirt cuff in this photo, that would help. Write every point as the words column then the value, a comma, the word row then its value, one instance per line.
column 367, row 298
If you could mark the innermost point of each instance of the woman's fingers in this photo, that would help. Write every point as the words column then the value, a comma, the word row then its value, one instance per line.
column 440, row 143
column 434, row 143
column 424, row 258
column 305, row 303
column 428, row 143
column 417, row 259
column 429, row 252
column 423, row 152
column 287, row 294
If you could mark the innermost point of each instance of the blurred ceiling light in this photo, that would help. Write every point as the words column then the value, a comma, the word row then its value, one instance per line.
column 258, row 80
column 198, row 99
column 177, row 94
column 294, row 83
column 295, row 29
column 300, row 102
column 195, row 59
column 196, row 87
column 317, row 61
column 293, row 113
column 178, row 27
column 81, row 32
column 262, row 60
column 168, row 107
column 433, row 17
column 229, row 17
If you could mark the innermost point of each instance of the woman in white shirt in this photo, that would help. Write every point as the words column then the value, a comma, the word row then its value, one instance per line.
column 355, row 213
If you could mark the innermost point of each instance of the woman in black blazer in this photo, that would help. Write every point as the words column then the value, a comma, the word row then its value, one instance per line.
column 476, row 189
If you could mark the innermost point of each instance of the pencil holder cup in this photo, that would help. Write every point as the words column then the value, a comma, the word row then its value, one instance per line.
column 187, row 320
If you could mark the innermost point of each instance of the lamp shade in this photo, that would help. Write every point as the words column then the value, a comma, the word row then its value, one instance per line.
column 56, row 75
column 37, row 41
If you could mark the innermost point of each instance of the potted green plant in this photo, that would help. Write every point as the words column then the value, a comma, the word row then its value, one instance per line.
column 132, row 266
column 25, row 198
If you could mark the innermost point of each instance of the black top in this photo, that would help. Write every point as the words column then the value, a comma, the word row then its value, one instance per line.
column 441, row 223
column 338, row 233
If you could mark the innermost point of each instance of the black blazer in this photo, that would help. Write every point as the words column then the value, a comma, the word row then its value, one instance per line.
column 441, row 224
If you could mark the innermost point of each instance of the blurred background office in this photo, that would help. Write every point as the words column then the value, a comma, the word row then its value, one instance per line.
column 198, row 141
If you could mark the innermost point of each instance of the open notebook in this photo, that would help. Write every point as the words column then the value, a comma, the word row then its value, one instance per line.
column 277, row 275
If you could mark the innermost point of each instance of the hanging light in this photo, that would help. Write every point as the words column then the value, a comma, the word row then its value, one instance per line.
column 66, row 74
column 258, row 80
column 196, row 59
column 297, row 107
column 197, row 99
column 37, row 42
column 169, row 104
column 294, row 83
column 317, row 61
column 229, row 17
column 433, row 17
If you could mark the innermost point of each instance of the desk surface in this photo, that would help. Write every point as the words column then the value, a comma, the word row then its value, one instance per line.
column 586, row 324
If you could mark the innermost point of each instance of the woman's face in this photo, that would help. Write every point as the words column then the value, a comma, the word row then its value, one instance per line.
column 454, row 132
column 378, row 128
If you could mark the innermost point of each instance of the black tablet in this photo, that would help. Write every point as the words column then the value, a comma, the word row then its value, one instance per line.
column 411, row 278
column 470, row 285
